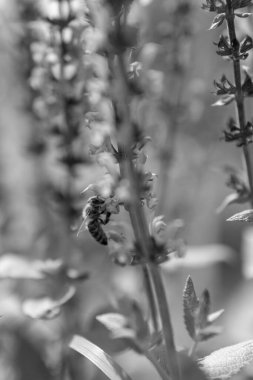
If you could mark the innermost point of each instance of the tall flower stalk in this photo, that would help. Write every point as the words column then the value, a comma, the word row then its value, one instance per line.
column 239, row 130
column 239, row 96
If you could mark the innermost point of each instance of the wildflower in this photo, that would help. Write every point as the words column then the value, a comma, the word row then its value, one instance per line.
column 166, row 239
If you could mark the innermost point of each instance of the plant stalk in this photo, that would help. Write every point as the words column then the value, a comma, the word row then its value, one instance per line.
column 139, row 223
column 239, row 98
column 151, row 297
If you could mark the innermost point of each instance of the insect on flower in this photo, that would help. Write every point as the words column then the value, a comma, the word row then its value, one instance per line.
column 95, row 214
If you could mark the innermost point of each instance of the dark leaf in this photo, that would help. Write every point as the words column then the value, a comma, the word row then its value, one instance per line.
column 98, row 357
column 228, row 361
column 218, row 6
column 247, row 86
column 241, row 3
column 224, row 87
column 243, row 216
column 218, row 20
column 224, row 47
column 190, row 304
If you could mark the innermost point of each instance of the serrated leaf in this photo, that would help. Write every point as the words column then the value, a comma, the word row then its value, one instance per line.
column 213, row 316
column 190, row 304
column 228, row 361
column 46, row 308
column 99, row 358
column 218, row 20
column 243, row 216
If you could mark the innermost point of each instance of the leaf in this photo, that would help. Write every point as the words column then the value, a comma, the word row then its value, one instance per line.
column 196, row 314
column 228, row 361
column 224, row 101
column 113, row 321
column 243, row 15
column 229, row 199
column 243, row 216
column 246, row 44
column 213, row 316
column 118, row 324
column 46, row 308
column 190, row 304
column 98, row 357
column 218, row 20
column 241, row 3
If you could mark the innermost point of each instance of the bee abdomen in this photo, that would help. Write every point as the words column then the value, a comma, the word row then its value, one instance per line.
column 97, row 232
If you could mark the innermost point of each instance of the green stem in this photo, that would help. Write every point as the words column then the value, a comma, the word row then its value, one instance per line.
column 151, row 297
column 239, row 98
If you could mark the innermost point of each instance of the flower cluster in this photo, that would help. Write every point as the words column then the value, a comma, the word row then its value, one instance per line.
column 58, row 86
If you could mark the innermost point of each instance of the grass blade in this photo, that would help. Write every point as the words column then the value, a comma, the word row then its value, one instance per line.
column 97, row 356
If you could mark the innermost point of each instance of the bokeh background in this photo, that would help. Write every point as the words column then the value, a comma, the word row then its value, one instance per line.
column 218, row 254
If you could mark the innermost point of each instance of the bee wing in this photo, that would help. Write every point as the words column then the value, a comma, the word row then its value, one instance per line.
column 81, row 228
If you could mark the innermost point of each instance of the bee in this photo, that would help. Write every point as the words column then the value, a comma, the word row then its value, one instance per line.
column 95, row 214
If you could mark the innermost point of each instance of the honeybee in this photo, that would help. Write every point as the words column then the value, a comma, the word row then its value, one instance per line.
column 96, row 214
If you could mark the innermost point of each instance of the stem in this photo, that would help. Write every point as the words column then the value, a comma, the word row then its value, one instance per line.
column 173, row 365
column 136, row 224
column 193, row 349
column 239, row 98
column 150, row 296
column 139, row 223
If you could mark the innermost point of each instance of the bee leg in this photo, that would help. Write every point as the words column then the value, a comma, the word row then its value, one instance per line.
column 107, row 217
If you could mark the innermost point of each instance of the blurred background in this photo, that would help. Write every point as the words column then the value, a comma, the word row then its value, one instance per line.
column 34, row 224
